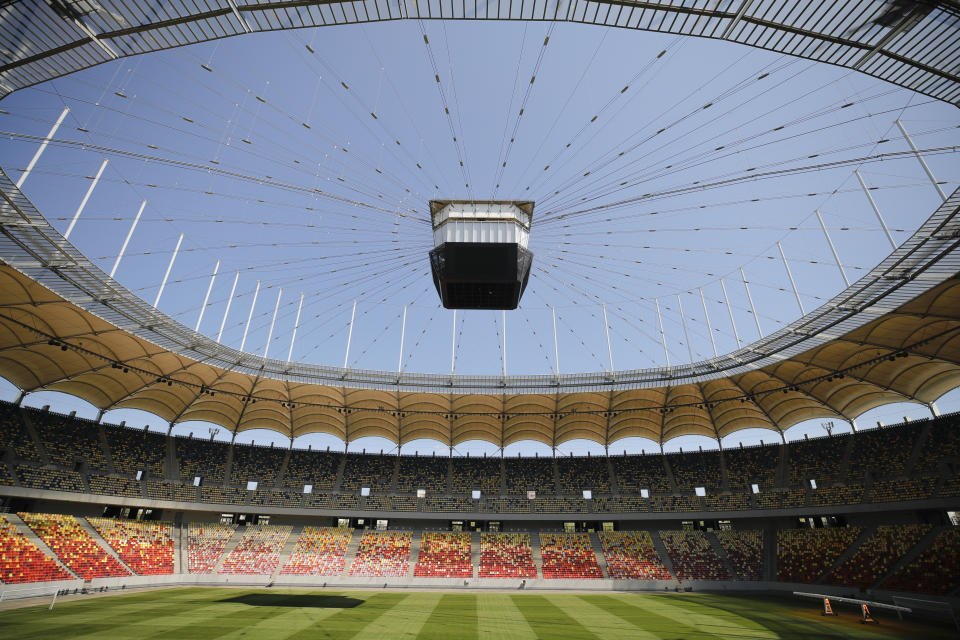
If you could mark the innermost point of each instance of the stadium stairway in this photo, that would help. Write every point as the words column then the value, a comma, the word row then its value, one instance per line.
column 614, row 484
column 228, row 548
column 668, row 472
column 339, row 479
column 718, row 549
column 107, row 452
column 475, row 552
column 911, row 554
column 288, row 549
column 351, row 553
column 848, row 553
column 662, row 553
column 769, row 570
column 34, row 436
column 95, row 535
column 179, row 551
column 597, row 547
column 537, row 555
column 416, row 537
column 172, row 467
column 844, row 471
column 32, row 536
column 282, row 473
column 781, row 479
column 918, row 445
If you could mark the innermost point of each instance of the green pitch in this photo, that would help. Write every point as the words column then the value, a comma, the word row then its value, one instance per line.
column 178, row 614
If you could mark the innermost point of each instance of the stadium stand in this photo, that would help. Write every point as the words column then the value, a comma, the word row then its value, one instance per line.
column 73, row 545
column 258, row 551
column 631, row 555
column 691, row 470
column 941, row 446
column 382, row 553
column 577, row 474
column 529, row 474
column 205, row 545
column 752, row 465
column 316, row 468
column 881, row 452
column 902, row 489
column 136, row 450
column 260, row 464
column 50, row 479
column 444, row 555
column 320, row 551
column 372, row 471
column 744, row 549
column 113, row 486
column 568, row 555
column 641, row 472
column 469, row 474
column 506, row 555
column 14, row 436
column 201, row 458
column 69, row 441
column 877, row 555
column 21, row 561
column 816, row 459
column 145, row 547
column 934, row 571
column 692, row 556
column 803, row 555
column 422, row 473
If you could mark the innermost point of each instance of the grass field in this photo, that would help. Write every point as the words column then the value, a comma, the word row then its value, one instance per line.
column 260, row 614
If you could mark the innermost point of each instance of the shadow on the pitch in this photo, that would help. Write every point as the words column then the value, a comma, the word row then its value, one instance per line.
column 315, row 601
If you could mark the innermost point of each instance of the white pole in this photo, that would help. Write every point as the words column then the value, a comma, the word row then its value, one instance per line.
column 54, row 601
column 733, row 324
column 606, row 328
column 793, row 283
column 663, row 336
column 163, row 283
column 353, row 315
column 556, row 351
column 453, row 345
column 296, row 325
column 876, row 209
column 706, row 316
column 833, row 250
column 246, row 328
column 753, row 309
column 683, row 322
column 403, row 334
column 83, row 203
column 127, row 240
column 227, row 310
column 504, row 316
column 273, row 321
column 206, row 298
column 923, row 163
column 43, row 146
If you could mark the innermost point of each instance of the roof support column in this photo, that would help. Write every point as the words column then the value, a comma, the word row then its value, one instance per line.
column 753, row 309
column 606, row 329
column 733, row 324
column 923, row 163
column 686, row 335
column 83, row 203
column 296, row 325
column 663, row 337
column 43, row 146
column 353, row 316
column 403, row 334
column 833, row 250
column 706, row 316
column 166, row 275
column 206, row 298
column 246, row 328
column 793, row 283
column 273, row 321
column 934, row 409
column 876, row 209
column 227, row 310
column 556, row 350
column 453, row 345
column 126, row 241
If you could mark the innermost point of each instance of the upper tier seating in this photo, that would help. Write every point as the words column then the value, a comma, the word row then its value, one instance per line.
column 260, row 464
column 145, row 547
column 752, row 465
column 258, row 551
column 111, row 486
column 934, row 570
column 418, row 472
column 816, row 459
column 577, row 474
column 69, row 441
column 203, row 458
column 205, row 544
column 319, row 552
column 803, row 555
column 568, row 555
column 74, row 546
column 136, row 450
column 22, row 561
column 744, row 549
column 316, row 468
column 641, row 472
column 14, row 435
column 529, row 474
column 883, row 452
column 470, row 474
column 631, row 556
column 877, row 555
column 50, row 479
column 506, row 555
column 444, row 555
column 372, row 471
column 382, row 553
column 700, row 469
column 692, row 556
column 942, row 445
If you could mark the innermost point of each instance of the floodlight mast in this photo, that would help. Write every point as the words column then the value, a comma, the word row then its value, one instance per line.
column 480, row 258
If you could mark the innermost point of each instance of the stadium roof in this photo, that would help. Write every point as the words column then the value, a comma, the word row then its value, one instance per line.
column 892, row 336
column 910, row 44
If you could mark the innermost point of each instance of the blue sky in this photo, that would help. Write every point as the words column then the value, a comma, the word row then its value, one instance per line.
column 626, row 216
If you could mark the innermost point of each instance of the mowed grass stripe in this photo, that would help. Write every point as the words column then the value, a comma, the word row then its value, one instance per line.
column 403, row 621
column 347, row 621
column 284, row 622
column 684, row 610
column 455, row 616
column 498, row 618
column 549, row 621
column 604, row 616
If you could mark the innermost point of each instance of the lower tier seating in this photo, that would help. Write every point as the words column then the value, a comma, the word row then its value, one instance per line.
column 744, row 549
column 145, row 547
column 803, row 555
column 506, row 555
column 568, row 555
column 877, row 555
column 319, row 552
column 934, row 570
column 444, row 555
column 22, row 561
column 258, row 551
column 631, row 556
column 692, row 556
column 74, row 546
column 382, row 553
column 205, row 544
